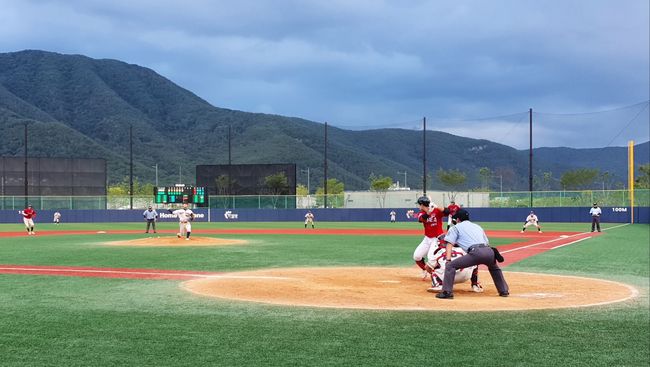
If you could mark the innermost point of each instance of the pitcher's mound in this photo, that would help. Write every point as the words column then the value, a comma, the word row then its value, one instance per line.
column 168, row 241
column 402, row 289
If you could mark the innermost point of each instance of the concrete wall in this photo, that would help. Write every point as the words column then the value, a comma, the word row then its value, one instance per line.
column 407, row 199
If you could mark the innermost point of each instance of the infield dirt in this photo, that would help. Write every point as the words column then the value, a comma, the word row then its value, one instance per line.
column 169, row 241
column 402, row 289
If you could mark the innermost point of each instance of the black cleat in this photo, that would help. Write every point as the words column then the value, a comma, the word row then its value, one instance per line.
column 445, row 295
column 504, row 294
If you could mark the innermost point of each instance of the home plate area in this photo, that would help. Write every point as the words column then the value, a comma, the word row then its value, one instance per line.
column 403, row 289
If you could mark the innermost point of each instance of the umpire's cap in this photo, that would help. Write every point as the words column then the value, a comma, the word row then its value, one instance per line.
column 462, row 214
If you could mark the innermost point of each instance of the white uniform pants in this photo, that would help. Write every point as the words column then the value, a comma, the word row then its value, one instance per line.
column 185, row 227
column 528, row 224
column 425, row 248
column 29, row 223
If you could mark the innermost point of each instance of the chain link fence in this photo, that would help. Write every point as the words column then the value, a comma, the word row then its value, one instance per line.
column 397, row 199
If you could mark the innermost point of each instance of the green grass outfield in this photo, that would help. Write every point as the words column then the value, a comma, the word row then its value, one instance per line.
column 71, row 321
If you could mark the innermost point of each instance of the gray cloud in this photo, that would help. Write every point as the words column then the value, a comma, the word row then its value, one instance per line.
column 373, row 63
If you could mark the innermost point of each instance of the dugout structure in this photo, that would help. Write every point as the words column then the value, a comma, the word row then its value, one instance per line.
column 53, row 177
column 224, row 181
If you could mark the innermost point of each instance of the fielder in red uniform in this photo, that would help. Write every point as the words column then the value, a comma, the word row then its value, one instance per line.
column 452, row 209
column 28, row 218
column 431, row 219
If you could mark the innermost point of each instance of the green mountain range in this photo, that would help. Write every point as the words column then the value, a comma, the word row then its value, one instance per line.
column 75, row 106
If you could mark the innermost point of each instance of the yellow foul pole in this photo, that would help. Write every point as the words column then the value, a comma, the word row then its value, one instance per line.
column 630, row 176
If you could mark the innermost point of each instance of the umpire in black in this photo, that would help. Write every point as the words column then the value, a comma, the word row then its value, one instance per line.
column 471, row 238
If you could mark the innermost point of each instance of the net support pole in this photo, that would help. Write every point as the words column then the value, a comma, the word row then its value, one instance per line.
column 424, row 156
column 131, row 167
column 25, row 181
column 530, row 155
column 630, row 177
column 325, row 170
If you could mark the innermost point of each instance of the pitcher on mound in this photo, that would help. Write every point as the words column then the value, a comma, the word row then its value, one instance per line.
column 185, row 217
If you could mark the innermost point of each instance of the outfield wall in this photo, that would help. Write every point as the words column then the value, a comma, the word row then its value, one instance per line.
column 564, row 214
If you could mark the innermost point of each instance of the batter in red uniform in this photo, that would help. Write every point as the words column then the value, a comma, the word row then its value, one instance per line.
column 431, row 219
column 452, row 208
column 28, row 218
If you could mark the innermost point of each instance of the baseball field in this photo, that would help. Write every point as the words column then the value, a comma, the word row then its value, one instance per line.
column 343, row 294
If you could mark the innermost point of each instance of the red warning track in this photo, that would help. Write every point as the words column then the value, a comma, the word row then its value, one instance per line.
column 535, row 244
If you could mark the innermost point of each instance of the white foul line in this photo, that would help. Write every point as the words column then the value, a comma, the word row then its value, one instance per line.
column 570, row 243
column 537, row 244
column 557, row 239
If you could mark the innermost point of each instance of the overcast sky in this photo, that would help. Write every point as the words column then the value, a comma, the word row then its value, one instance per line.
column 370, row 63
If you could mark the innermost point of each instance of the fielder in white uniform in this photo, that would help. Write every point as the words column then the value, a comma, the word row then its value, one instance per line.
column 531, row 220
column 185, row 217
column 309, row 219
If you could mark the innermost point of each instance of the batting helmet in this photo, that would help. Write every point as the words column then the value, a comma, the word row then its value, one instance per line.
column 423, row 200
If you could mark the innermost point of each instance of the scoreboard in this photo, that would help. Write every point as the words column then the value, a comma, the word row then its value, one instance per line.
column 180, row 194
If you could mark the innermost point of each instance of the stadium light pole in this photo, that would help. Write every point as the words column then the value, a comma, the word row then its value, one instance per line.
column 156, row 167
column 403, row 173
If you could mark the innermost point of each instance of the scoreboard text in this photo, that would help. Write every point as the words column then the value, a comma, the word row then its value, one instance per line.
column 180, row 194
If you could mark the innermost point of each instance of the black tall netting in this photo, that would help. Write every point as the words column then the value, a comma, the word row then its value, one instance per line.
column 53, row 176
column 247, row 179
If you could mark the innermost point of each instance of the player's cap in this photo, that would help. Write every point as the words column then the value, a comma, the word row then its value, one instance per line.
column 595, row 204
column 453, row 202
column 30, row 205
column 462, row 214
